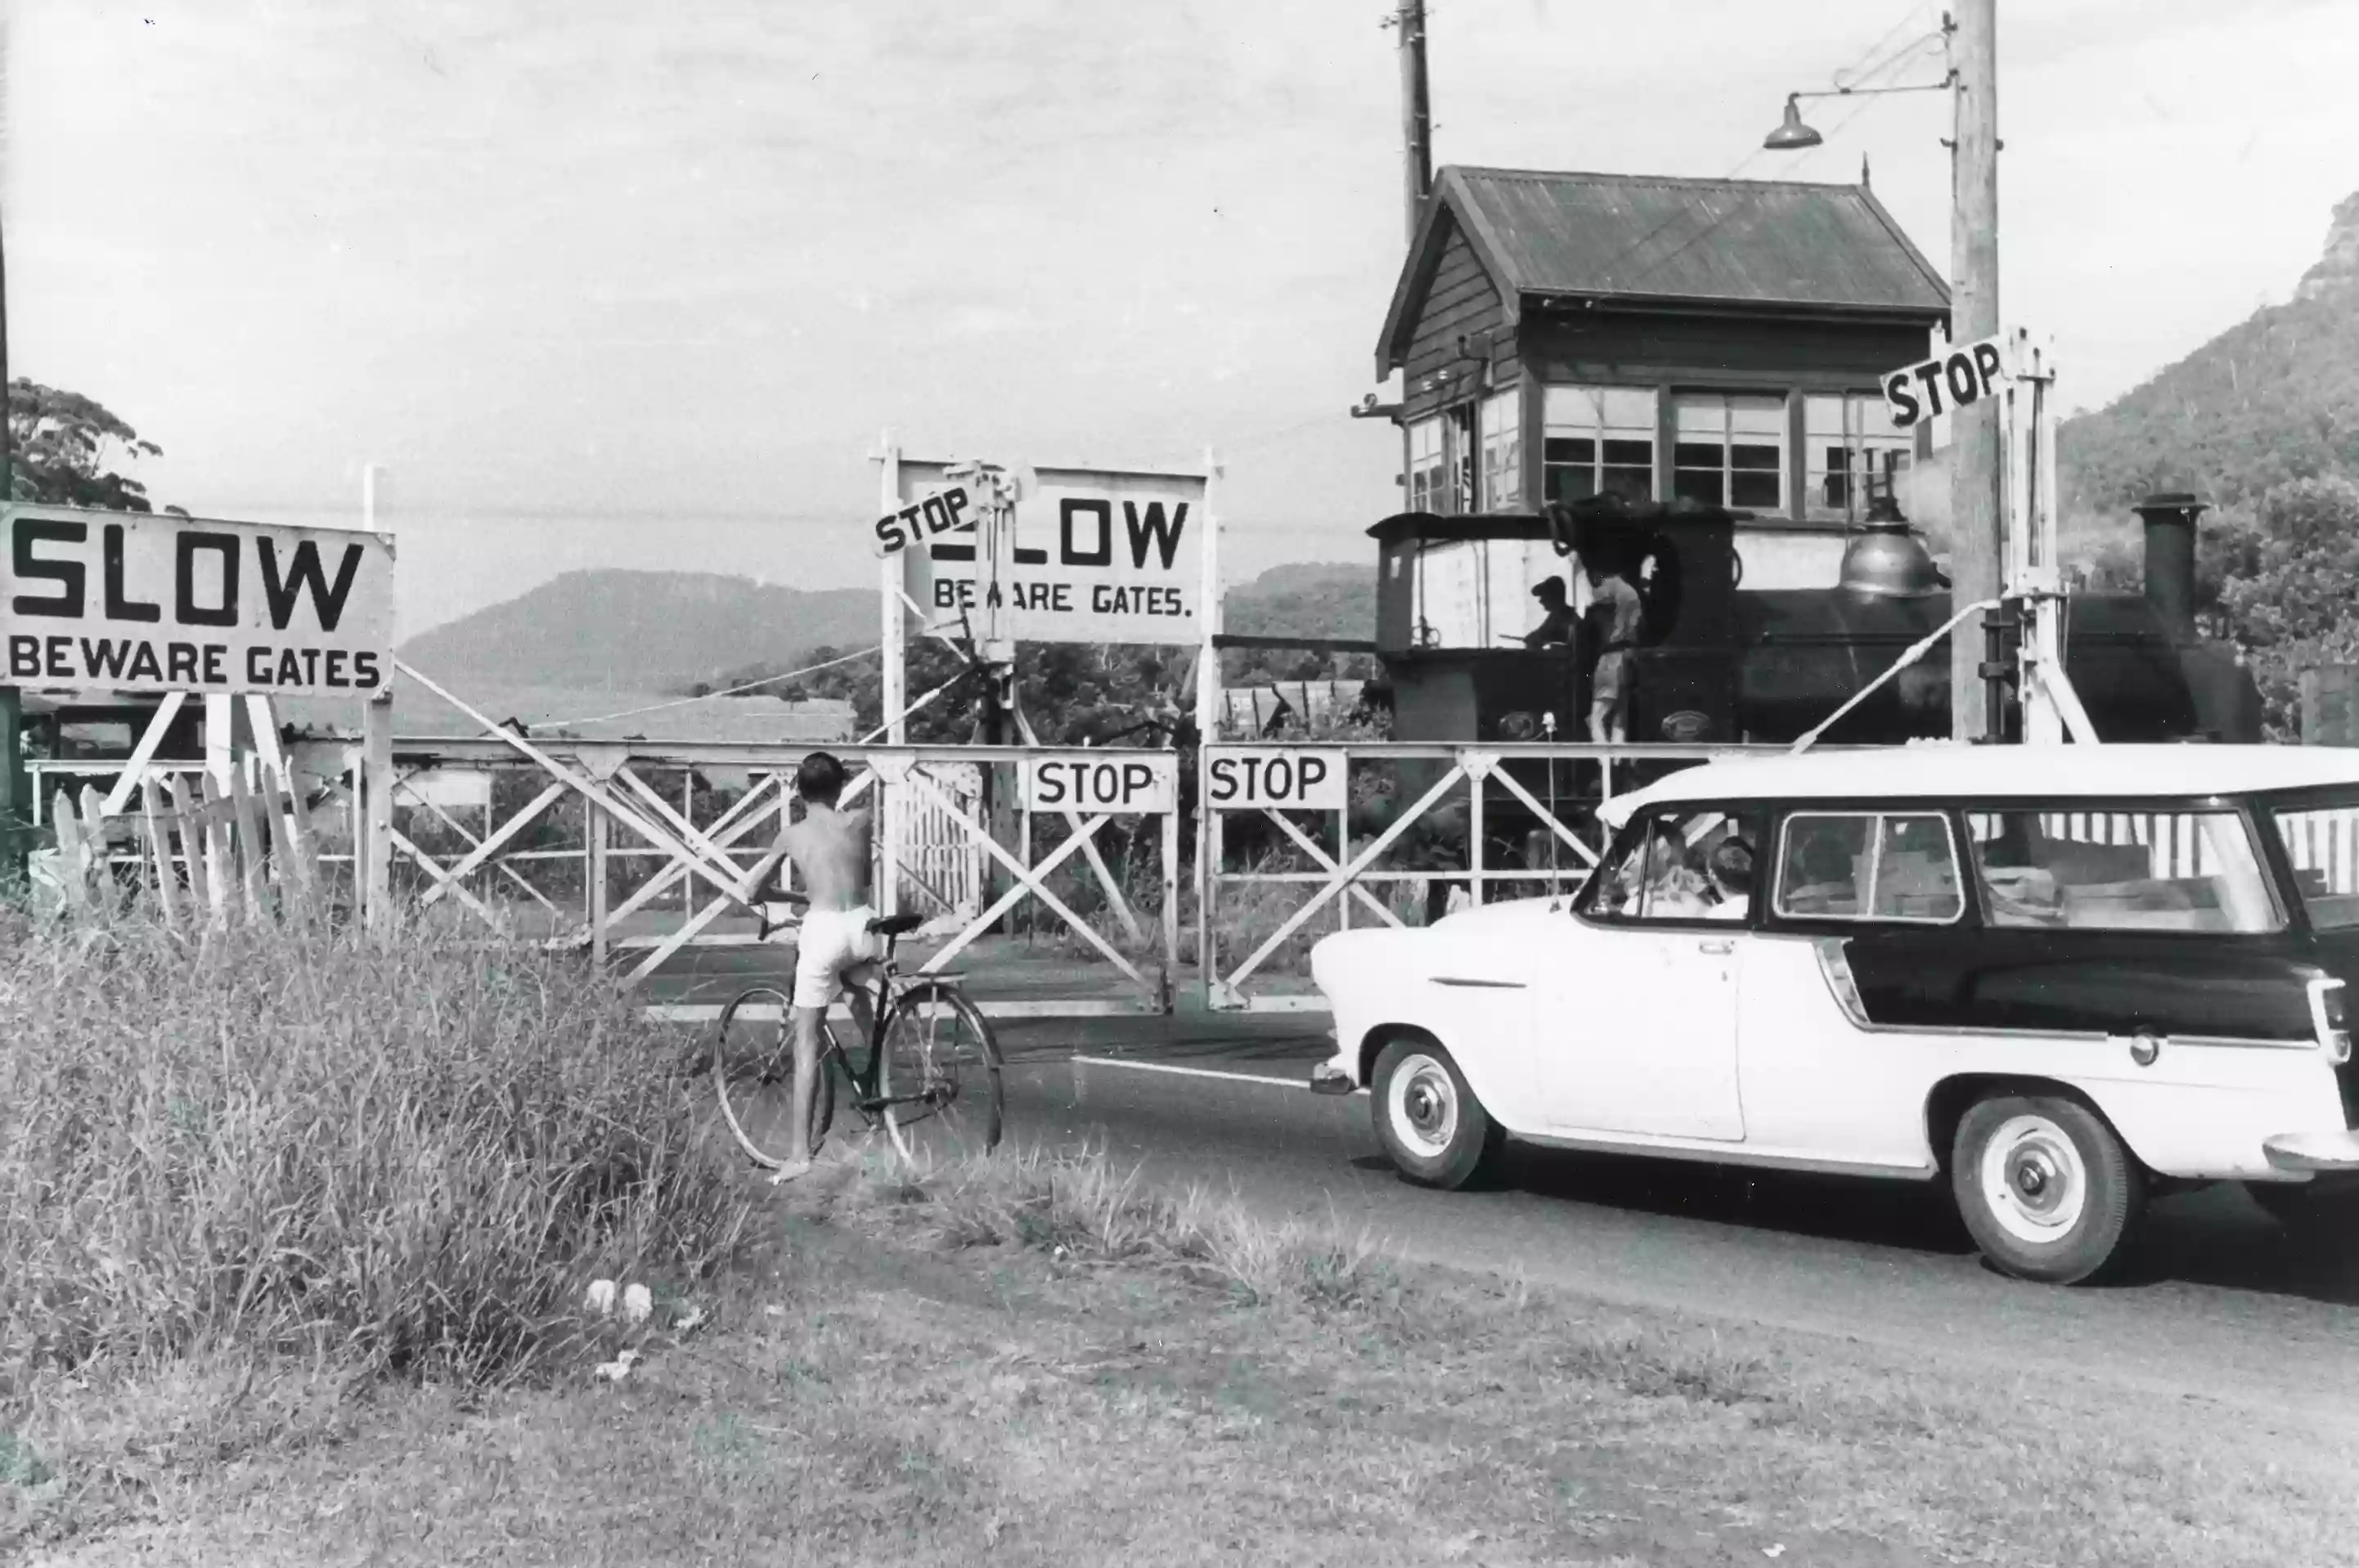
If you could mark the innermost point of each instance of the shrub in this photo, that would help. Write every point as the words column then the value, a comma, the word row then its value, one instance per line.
column 405, row 1155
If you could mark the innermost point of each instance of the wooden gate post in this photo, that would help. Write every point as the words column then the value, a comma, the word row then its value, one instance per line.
column 373, row 850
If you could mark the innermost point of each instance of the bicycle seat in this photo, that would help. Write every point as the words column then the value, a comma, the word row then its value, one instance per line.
column 895, row 925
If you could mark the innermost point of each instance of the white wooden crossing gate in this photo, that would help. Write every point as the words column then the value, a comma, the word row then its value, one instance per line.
column 671, row 833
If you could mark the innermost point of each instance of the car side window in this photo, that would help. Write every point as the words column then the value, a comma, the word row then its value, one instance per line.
column 1869, row 866
column 1684, row 865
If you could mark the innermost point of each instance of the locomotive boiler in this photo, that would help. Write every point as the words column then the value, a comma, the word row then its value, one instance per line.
column 1716, row 662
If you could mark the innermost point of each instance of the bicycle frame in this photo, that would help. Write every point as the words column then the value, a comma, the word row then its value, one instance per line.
column 862, row 1079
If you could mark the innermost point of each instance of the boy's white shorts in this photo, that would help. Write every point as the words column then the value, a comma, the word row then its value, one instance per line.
column 833, row 945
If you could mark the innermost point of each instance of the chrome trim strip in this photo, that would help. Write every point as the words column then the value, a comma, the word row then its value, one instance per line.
column 1476, row 985
column 1732, row 1154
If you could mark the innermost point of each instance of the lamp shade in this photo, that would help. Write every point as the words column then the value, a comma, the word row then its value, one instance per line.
column 1792, row 135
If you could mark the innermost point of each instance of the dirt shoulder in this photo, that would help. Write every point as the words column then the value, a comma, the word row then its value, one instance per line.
column 1050, row 1366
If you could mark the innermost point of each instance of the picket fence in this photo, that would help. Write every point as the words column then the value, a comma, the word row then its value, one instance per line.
column 207, row 857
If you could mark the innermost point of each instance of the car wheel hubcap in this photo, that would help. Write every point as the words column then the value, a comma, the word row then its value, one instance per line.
column 2033, row 1180
column 1424, row 1106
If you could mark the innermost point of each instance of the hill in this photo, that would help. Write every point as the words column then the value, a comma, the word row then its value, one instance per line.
column 662, row 631
column 641, row 631
column 1317, row 599
column 2273, row 400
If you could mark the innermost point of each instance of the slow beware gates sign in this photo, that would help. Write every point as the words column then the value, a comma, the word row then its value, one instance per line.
column 1094, row 556
column 1956, row 378
column 156, row 602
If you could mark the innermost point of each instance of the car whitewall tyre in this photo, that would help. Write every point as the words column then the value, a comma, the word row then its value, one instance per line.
column 1432, row 1127
column 2046, row 1190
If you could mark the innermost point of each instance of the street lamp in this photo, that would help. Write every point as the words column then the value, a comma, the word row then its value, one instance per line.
column 1792, row 135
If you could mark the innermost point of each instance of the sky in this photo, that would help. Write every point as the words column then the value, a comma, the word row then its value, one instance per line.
column 608, row 284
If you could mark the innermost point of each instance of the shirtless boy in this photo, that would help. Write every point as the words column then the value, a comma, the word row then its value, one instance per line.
column 831, row 848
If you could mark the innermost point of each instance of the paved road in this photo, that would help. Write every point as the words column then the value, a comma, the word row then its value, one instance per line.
column 2221, row 1308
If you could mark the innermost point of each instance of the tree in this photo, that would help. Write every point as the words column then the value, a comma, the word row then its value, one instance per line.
column 65, row 450
column 2289, row 593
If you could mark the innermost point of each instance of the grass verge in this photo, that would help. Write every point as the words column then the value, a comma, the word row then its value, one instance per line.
column 1038, row 1359
column 384, row 1158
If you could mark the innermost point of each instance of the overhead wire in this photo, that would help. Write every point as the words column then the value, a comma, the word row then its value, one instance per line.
column 1827, row 139
column 1860, row 75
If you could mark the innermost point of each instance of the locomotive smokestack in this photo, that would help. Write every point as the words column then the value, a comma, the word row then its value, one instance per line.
column 2171, row 559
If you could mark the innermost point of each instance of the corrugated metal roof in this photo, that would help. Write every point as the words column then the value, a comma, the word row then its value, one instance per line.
column 1749, row 244
column 1758, row 241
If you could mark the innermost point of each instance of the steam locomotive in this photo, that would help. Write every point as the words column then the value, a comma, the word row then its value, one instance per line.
column 1719, row 662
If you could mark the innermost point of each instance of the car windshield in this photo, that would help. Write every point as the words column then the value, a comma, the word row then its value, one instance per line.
column 2323, row 843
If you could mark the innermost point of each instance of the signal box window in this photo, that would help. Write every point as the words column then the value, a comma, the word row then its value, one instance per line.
column 1597, row 440
column 2189, row 871
column 1855, row 452
column 1689, row 863
column 1426, row 472
column 1731, row 450
column 1503, row 452
column 1863, row 866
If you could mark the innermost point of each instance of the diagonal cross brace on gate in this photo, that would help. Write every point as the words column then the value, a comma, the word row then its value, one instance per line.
column 492, row 845
column 1344, row 878
column 693, row 927
column 735, row 824
column 1507, row 780
column 615, row 808
column 402, row 787
column 1029, row 880
column 1326, row 863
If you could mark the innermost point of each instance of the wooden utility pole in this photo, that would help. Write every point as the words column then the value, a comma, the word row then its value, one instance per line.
column 15, row 787
column 1975, row 466
column 1417, row 115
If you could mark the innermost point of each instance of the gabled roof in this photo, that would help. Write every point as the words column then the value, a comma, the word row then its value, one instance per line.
column 1745, row 245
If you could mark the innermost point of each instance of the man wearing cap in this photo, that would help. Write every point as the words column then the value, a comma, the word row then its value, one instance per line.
column 1557, row 627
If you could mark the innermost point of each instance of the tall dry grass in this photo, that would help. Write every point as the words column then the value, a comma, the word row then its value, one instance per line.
column 402, row 1157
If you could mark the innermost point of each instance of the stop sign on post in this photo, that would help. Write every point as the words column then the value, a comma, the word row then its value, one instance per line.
column 1956, row 378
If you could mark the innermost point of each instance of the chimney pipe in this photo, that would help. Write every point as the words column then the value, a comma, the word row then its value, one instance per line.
column 2171, row 559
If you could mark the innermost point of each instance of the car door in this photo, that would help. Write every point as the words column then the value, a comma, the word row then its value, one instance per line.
column 1639, row 1025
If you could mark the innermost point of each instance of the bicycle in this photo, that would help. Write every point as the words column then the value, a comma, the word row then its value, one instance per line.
column 755, row 1079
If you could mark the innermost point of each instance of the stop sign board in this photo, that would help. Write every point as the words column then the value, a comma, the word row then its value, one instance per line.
column 1958, row 377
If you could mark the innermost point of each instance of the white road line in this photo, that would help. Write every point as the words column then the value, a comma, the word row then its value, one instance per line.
column 1302, row 1083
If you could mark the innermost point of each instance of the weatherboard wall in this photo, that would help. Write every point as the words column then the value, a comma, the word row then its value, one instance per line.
column 1462, row 305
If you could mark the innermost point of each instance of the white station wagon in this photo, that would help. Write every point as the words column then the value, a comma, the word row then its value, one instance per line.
column 2064, row 979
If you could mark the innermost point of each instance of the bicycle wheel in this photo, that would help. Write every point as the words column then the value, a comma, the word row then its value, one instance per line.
column 938, row 1075
column 753, row 1076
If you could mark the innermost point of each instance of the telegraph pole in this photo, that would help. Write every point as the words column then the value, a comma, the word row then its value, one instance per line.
column 16, row 789
column 1975, row 466
column 1417, row 114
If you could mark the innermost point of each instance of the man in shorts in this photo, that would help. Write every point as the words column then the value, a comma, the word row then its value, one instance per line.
column 1616, row 605
column 829, row 847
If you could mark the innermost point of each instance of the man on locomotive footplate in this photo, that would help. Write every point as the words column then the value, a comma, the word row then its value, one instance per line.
column 1557, row 627
column 1616, row 605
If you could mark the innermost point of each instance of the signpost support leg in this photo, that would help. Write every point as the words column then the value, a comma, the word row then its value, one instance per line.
column 1208, row 698
column 601, row 839
column 15, row 787
column 374, row 850
column 894, row 691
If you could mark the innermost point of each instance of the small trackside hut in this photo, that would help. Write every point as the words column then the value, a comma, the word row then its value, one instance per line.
column 1564, row 335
